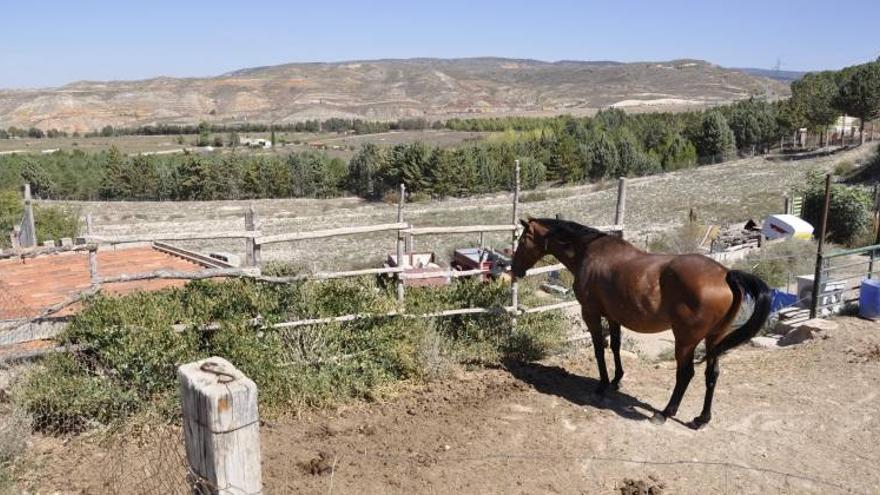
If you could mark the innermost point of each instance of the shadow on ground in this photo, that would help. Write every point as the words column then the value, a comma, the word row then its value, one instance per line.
column 577, row 389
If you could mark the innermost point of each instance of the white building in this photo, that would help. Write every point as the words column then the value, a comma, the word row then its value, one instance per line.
column 255, row 142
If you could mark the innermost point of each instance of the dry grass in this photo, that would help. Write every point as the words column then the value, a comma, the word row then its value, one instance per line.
column 720, row 194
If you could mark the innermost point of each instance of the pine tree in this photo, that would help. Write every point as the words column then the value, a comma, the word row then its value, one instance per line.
column 715, row 142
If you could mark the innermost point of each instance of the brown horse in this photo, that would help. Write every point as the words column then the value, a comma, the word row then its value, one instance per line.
column 694, row 295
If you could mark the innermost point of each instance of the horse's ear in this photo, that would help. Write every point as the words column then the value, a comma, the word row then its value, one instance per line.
column 524, row 223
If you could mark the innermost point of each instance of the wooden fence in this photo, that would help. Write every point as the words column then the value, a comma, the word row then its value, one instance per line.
column 255, row 240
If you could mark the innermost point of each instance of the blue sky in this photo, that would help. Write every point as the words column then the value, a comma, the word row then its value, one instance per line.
column 51, row 42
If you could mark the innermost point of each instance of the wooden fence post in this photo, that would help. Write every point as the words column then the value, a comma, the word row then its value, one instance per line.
column 93, row 265
column 252, row 249
column 620, row 211
column 28, row 235
column 400, row 245
column 89, row 224
column 514, row 286
column 222, row 428
column 820, row 251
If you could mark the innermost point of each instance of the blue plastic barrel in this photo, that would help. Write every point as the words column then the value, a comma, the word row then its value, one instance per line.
column 869, row 299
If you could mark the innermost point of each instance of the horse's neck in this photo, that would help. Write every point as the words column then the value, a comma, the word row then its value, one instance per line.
column 573, row 258
column 577, row 257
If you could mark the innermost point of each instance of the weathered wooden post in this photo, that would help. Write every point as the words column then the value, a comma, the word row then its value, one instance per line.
column 620, row 210
column 400, row 245
column 820, row 251
column 28, row 235
column 222, row 428
column 252, row 249
column 93, row 265
column 89, row 224
column 514, row 286
column 14, row 237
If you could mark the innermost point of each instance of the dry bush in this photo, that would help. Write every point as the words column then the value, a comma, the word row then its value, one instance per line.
column 681, row 240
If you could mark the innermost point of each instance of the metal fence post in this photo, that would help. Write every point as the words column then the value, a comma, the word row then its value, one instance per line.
column 222, row 428
column 820, row 251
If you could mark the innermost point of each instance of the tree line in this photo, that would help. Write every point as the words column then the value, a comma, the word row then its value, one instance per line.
column 564, row 150
column 339, row 125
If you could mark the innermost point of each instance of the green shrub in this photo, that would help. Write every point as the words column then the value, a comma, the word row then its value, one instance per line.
column 10, row 214
column 133, row 345
column 55, row 222
column 52, row 222
column 67, row 397
column 849, row 213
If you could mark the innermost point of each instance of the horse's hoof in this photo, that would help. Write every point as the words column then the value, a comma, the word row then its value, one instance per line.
column 615, row 386
column 699, row 423
column 658, row 419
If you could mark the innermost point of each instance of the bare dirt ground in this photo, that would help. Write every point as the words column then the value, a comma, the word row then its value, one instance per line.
column 725, row 193
column 802, row 419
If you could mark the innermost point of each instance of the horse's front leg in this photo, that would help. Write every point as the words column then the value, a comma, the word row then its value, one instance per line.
column 615, row 350
column 594, row 325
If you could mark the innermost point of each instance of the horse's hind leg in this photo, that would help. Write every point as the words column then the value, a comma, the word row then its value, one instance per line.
column 684, row 358
column 594, row 324
column 712, row 372
column 615, row 350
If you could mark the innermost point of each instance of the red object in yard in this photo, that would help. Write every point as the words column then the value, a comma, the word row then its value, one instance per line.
column 419, row 263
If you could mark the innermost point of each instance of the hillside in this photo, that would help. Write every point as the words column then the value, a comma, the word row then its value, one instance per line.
column 383, row 90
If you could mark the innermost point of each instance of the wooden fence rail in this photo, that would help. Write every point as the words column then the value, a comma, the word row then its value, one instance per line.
column 255, row 240
column 318, row 234
column 171, row 236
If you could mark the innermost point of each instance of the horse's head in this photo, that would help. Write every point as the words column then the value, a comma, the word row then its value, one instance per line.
column 543, row 236
column 532, row 246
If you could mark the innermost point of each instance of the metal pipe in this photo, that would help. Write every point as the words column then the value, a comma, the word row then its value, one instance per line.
column 820, row 251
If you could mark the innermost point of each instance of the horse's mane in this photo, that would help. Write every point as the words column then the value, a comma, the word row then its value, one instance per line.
column 568, row 231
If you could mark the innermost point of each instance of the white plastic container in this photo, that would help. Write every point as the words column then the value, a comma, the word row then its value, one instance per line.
column 786, row 226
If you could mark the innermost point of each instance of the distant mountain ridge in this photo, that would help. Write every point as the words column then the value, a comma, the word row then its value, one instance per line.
column 384, row 90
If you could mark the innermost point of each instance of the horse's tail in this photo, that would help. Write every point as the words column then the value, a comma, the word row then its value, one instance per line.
column 745, row 283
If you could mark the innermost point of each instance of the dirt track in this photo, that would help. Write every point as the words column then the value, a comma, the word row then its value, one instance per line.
column 802, row 419
column 794, row 420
